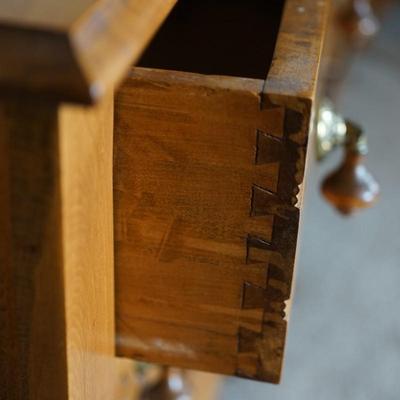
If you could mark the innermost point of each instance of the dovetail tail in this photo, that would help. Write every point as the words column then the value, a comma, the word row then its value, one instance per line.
column 264, row 202
column 277, row 273
column 277, row 253
column 294, row 121
column 270, row 149
column 253, row 296
column 258, row 250
column 259, row 243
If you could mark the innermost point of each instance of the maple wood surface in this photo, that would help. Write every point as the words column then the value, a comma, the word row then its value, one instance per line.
column 32, row 342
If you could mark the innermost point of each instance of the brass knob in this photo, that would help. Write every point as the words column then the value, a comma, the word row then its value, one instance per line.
column 350, row 186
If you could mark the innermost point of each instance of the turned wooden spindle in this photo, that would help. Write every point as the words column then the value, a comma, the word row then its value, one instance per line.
column 351, row 186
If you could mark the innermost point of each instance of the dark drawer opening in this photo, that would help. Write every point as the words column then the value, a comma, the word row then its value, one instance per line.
column 224, row 37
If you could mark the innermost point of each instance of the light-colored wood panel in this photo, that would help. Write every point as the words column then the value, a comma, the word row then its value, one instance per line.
column 57, row 331
column 86, row 142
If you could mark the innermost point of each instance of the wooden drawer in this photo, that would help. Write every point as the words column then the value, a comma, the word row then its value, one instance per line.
column 210, row 148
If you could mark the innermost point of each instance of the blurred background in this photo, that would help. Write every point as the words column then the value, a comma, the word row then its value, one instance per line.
column 344, row 332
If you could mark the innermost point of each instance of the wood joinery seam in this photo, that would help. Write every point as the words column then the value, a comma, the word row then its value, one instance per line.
column 260, row 353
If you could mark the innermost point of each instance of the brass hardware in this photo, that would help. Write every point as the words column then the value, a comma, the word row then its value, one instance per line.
column 350, row 186
column 331, row 130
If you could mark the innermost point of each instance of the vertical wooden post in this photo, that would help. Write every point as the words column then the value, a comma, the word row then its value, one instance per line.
column 86, row 153
column 56, row 251
column 33, row 360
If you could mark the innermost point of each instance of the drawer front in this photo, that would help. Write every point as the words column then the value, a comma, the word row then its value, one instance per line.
column 208, row 172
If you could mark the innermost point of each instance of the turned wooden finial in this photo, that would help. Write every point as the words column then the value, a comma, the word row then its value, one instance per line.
column 351, row 186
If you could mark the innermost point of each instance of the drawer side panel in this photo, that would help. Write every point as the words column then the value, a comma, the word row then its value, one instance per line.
column 206, row 186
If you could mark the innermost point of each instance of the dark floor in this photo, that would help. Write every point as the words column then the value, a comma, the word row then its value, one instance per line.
column 344, row 334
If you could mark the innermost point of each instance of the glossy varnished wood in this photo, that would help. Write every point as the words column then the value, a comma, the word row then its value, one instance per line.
column 208, row 171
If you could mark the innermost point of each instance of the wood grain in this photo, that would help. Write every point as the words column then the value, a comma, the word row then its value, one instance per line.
column 57, row 287
column 32, row 342
column 87, row 230
column 77, row 50
column 183, row 189
column 208, row 171
column 295, row 66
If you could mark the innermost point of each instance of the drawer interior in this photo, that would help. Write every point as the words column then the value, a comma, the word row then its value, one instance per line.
column 224, row 37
